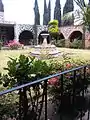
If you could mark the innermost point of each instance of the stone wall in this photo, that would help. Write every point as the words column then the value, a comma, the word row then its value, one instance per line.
column 87, row 39
column 65, row 30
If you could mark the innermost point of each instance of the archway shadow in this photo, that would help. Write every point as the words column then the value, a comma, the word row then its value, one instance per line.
column 75, row 35
column 26, row 37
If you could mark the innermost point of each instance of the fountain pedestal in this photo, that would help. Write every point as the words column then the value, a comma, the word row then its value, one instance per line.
column 45, row 48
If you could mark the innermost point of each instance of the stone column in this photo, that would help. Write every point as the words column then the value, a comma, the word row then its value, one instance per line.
column 35, row 34
column 16, row 32
column 67, row 42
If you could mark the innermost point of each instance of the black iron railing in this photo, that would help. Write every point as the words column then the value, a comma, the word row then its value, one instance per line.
column 32, row 98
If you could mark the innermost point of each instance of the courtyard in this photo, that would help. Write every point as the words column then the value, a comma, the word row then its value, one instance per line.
column 45, row 69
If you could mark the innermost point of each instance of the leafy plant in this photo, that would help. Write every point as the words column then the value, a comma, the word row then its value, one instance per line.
column 60, row 43
column 18, row 71
column 76, row 44
column 68, row 19
column 85, row 12
column 24, row 70
column 8, row 106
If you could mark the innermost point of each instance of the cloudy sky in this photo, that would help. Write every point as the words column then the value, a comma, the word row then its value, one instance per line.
column 21, row 11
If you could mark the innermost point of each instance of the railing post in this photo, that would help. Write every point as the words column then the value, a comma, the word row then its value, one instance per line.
column 45, row 100
column 25, row 103
column 73, row 100
column 20, row 98
column 61, row 95
column 83, row 85
column 84, row 79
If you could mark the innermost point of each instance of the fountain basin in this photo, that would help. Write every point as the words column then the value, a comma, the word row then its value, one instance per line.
column 45, row 49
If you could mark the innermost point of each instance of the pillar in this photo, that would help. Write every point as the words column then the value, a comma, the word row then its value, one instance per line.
column 16, row 32
column 67, row 42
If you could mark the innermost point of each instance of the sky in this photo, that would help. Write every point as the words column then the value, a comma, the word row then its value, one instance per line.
column 21, row 11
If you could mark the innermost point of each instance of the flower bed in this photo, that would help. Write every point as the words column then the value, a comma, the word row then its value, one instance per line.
column 14, row 45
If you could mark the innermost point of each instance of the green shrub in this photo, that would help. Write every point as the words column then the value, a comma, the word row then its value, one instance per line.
column 8, row 106
column 53, row 28
column 60, row 43
column 76, row 44
column 54, row 22
column 20, row 71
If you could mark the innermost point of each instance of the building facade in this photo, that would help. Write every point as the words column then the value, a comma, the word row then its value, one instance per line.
column 29, row 34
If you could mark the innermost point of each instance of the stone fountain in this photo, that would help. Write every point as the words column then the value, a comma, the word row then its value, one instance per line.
column 45, row 48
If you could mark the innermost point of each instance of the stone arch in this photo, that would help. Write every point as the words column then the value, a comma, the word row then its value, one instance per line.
column 67, row 30
column 75, row 35
column 26, row 37
column 40, row 39
column 19, row 28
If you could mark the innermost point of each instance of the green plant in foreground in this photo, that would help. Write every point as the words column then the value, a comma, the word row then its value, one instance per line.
column 20, row 71
column 26, row 69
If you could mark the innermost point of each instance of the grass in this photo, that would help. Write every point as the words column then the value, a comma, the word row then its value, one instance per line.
column 5, row 54
column 77, row 53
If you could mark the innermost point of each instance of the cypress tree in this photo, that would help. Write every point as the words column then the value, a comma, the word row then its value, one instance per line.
column 37, row 15
column 57, row 12
column 69, row 7
column 49, row 11
column 45, row 15
column 89, row 2
column 68, row 18
column 1, row 6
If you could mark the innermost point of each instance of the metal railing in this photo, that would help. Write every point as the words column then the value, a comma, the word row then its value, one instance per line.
column 32, row 98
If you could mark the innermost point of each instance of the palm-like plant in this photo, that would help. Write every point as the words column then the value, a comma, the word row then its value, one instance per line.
column 85, row 11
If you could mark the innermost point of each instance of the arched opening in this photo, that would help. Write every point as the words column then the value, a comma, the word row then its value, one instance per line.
column 40, row 38
column 26, row 37
column 6, row 34
column 61, row 36
column 75, row 35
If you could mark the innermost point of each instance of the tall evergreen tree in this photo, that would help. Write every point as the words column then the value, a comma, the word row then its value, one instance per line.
column 57, row 12
column 37, row 15
column 45, row 15
column 49, row 11
column 67, row 16
column 89, row 2
column 69, row 7
column 1, row 6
